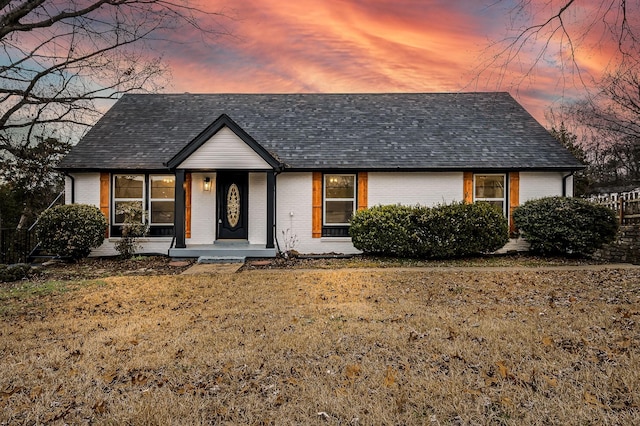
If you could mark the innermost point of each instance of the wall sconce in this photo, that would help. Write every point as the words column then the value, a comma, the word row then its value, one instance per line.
column 207, row 184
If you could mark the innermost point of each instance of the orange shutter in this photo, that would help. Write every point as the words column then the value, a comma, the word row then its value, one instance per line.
column 316, row 202
column 363, row 190
column 514, row 197
column 467, row 187
column 104, row 198
column 187, row 205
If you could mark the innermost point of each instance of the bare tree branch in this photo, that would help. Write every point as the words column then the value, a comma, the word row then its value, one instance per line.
column 63, row 58
column 565, row 33
column 64, row 55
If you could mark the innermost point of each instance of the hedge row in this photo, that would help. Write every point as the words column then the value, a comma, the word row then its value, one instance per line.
column 444, row 231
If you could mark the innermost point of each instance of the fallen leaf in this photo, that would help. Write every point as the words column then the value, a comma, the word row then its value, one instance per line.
column 109, row 377
column 505, row 400
column 139, row 379
column 453, row 333
column 100, row 407
column 547, row 341
column 489, row 380
column 352, row 371
column 592, row 400
column 389, row 377
column 551, row 381
column 503, row 369
column 10, row 391
column 35, row 392
column 624, row 344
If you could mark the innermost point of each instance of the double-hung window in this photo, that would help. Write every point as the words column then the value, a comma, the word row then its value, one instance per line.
column 339, row 203
column 128, row 198
column 161, row 200
column 490, row 188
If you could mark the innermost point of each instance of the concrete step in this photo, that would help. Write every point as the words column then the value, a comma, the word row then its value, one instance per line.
column 221, row 259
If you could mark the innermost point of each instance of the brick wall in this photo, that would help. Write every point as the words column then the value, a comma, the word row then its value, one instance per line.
column 625, row 249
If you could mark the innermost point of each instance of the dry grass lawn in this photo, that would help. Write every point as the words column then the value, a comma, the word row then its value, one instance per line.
column 349, row 347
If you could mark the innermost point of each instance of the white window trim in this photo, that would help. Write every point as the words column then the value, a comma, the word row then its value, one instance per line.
column 151, row 200
column 325, row 199
column 504, row 196
column 114, row 199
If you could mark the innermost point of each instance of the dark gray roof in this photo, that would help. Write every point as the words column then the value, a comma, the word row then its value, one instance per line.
column 419, row 131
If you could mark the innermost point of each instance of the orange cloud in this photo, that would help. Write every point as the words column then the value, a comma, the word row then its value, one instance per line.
column 370, row 46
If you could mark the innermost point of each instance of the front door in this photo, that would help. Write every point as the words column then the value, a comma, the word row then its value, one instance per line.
column 232, row 200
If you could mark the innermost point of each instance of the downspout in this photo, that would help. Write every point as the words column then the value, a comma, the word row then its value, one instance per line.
column 275, row 209
column 73, row 187
column 564, row 183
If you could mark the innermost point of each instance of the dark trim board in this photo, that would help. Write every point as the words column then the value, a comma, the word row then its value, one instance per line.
column 222, row 121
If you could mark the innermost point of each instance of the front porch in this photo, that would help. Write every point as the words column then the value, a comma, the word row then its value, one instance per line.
column 223, row 250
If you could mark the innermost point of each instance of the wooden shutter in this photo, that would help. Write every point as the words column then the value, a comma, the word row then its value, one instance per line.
column 316, row 202
column 363, row 190
column 105, row 180
column 514, row 197
column 187, row 205
column 467, row 187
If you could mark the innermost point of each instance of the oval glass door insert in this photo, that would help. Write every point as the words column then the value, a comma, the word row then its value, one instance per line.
column 233, row 205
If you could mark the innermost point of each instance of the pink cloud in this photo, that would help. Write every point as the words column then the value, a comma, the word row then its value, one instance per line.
column 369, row 46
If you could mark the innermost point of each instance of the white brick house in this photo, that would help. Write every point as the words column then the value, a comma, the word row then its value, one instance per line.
column 216, row 173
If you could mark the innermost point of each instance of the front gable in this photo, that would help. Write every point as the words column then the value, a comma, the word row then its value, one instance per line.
column 223, row 145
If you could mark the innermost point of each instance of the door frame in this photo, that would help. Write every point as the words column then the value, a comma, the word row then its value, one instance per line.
column 224, row 180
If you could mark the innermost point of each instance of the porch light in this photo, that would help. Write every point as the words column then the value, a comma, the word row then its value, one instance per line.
column 207, row 184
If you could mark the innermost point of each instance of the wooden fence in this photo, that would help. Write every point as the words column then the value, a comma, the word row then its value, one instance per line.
column 625, row 204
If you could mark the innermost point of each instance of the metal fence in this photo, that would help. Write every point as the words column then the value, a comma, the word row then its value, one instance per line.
column 625, row 204
column 15, row 245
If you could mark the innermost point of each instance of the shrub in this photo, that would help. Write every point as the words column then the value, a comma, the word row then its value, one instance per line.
column 71, row 230
column 561, row 225
column 384, row 230
column 134, row 227
column 451, row 230
column 461, row 229
column 15, row 272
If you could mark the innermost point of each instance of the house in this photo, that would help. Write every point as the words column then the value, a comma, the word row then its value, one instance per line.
column 251, row 173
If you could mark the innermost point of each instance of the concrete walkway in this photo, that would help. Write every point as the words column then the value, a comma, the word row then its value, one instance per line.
column 213, row 268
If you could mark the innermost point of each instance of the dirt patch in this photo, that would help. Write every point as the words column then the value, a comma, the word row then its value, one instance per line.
column 92, row 268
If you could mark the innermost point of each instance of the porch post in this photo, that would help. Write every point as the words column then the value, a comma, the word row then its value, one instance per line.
column 179, row 214
column 271, row 204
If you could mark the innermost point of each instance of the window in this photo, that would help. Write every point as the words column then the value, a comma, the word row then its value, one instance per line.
column 161, row 200
column 490, row 189
column 339, row 203
column 141, row 198
column 128, row 198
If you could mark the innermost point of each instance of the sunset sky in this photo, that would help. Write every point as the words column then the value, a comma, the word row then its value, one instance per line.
column 334, row 46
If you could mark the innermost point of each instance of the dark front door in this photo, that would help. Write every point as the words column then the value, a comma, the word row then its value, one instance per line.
column 232, row 200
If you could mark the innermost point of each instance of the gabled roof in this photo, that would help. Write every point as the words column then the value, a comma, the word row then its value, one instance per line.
column 212, row 129
column 415, row 131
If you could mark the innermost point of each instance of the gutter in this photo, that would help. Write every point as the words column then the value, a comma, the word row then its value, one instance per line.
column 73, row 187
column 564, row 183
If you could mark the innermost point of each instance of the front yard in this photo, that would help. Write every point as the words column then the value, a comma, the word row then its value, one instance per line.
column 347, row 346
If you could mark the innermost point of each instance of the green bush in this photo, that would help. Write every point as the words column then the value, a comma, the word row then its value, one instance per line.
column 443, row 231
column 561, row 225
column 385, row 230
column 71, row 230
column 15, row 272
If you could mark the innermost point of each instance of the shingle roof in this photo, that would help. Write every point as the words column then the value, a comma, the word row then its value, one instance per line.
column 419, row 131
